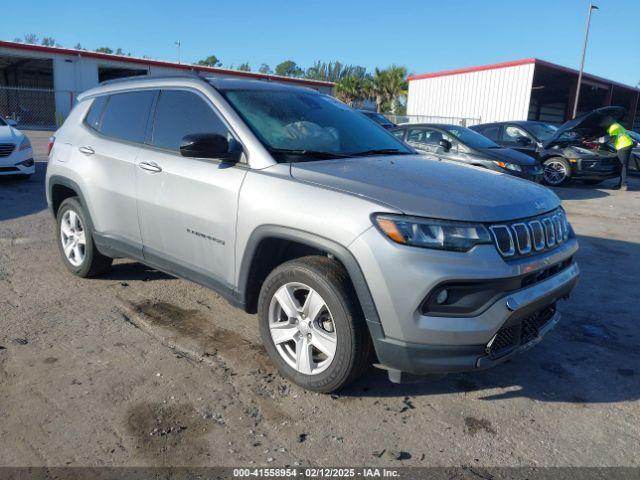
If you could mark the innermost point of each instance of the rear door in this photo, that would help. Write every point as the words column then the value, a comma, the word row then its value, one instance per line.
column 187, row 206
column 117, row 125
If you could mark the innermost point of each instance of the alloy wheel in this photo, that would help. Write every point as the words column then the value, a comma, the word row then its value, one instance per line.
column 554, row 172
column 73, row 238
column 302, row 328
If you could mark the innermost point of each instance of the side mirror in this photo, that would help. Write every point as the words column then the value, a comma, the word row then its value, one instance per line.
column 445, row 144
column 524, row 141
column 11, row 122
column 209, row 145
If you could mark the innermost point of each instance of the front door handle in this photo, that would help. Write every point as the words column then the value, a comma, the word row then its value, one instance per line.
column 150, row 167
column 87, row 150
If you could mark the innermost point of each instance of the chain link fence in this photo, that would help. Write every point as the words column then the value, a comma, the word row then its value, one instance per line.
column 35, row 108
column 462, row 121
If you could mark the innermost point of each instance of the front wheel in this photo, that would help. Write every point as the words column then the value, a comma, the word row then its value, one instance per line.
column 312, row 325
column 557, row 171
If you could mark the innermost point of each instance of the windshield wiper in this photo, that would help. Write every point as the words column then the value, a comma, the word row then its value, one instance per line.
column 379, row 151
column 314, row 154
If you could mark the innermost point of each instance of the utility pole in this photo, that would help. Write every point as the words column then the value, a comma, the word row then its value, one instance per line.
column 592, row 7
column 178, row 45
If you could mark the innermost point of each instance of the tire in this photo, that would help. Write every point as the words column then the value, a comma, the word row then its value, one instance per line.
column 592, row 182
column 83, row 260
column 557, row 171
column 340, row 312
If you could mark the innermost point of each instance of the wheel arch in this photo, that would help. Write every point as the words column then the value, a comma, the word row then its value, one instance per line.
column 60, row 188
column 260, row 246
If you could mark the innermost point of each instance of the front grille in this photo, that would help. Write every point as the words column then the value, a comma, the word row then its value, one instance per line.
column 532, row 235
column 6, row 149
column 512, row 336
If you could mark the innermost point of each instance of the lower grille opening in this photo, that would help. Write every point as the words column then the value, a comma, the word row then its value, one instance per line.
column 512, row 336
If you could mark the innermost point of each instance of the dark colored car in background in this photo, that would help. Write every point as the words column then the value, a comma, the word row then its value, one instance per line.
column 460, row 144
column 380, row 119
column 565, row 151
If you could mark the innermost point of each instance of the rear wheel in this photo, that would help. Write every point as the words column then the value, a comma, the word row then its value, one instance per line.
column 557, row 171
column 312, row 326
column 75, row 242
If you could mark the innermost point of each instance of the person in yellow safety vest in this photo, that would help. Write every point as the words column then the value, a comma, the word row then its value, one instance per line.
column 623, row 143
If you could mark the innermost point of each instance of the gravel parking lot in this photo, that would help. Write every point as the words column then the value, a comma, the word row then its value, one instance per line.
column 140, row 368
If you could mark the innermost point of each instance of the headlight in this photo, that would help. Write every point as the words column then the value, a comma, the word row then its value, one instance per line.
column 26, row 144
column 431, row 233
column 509, row 166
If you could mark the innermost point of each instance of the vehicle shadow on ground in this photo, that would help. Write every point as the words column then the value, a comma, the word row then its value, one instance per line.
column 19, row 198
column 592, row 356
column 580, row 191
column 135, row 271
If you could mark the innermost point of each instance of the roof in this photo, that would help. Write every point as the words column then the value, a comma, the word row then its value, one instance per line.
column 159, row 63
column 515, row 63
column 252, row 84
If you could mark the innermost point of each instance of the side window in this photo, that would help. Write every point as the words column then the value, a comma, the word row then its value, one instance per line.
column 95, row 112
column 181, row 113
column 492, row 132
column 512, row 133
column 126, row 115
column 425, row 135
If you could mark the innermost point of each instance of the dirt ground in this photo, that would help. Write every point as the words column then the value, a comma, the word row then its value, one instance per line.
column 140, row 368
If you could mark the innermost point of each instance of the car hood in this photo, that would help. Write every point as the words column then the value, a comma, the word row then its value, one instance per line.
column 590, row 125
column 421, row 186
column 9, row 134
column 507, row 155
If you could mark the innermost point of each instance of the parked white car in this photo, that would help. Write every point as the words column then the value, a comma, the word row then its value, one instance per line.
column 16, row 154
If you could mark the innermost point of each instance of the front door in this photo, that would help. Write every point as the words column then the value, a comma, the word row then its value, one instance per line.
column 187, row 206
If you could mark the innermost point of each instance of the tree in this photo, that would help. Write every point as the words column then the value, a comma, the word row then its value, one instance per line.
column 244, row 67
column 288, row 68
column 264, row 68
column 49, row 42
column 78, row 46
column 334, row 71
column 210, row 61
column 31, row 38
column 104, row 50
column 387, row 86
column 351, row 89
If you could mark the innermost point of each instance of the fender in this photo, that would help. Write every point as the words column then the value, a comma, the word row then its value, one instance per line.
column 338, row 251
column 67, row 182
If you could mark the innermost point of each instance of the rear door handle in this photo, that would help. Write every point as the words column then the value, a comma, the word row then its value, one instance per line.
column 87, row 150
column 150, row 167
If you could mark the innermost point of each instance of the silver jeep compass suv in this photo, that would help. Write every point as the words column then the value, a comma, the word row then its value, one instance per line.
column 351, row 248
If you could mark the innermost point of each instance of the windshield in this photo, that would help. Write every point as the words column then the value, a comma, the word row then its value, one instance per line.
column 542, row 131
column 310, row 126
column 471, row 138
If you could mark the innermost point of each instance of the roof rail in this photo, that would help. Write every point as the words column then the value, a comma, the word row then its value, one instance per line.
column 187, row 74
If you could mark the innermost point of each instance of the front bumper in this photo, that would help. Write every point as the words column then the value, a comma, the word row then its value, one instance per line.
column 531, row 306
column 407, row 340
column 18, row 163
column 595, row 169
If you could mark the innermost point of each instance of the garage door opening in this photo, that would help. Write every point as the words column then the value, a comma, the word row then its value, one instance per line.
column 113, row 73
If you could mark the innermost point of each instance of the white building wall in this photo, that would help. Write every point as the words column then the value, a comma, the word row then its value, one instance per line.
column 487, row 95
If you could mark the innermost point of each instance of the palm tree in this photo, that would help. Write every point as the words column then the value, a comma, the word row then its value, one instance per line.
column 349, row 89
column 395, row 85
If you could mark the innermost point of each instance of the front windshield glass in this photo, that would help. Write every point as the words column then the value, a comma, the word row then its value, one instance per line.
column 298, row 125
column 542, row 131
column 379, row 118
column 471, row 138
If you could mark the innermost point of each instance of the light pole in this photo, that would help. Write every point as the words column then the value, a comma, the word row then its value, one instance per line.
column 178, row 45
column 592, row 7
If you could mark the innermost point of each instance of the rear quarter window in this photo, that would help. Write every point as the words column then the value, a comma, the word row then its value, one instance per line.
column 95, row 112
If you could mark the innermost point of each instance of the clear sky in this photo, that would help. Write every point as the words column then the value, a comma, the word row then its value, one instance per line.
column 423, row 35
